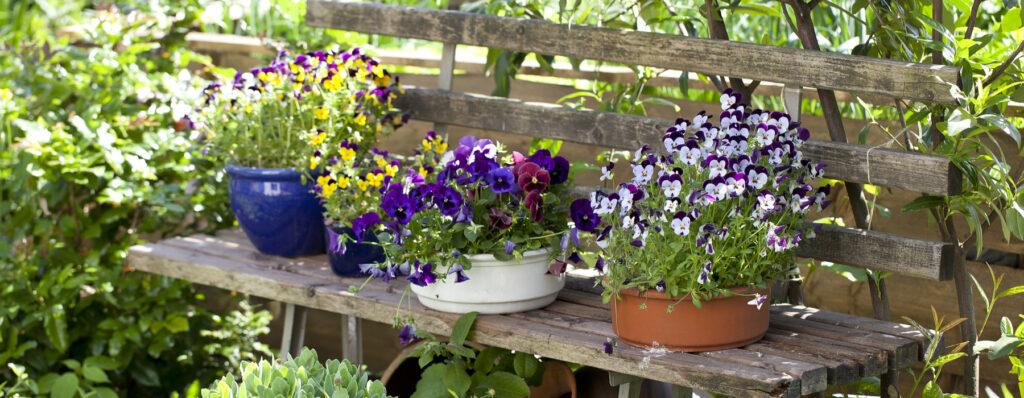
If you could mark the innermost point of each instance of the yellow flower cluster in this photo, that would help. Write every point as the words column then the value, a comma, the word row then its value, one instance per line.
column 437, row 144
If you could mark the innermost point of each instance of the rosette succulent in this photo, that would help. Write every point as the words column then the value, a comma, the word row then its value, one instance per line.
column 482, row 201
column 715, row 207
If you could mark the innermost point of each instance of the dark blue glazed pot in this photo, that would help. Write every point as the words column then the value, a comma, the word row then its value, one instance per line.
column 279, row 214
column 354, row 254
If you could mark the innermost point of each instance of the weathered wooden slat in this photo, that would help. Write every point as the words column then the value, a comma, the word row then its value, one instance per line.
column 871, row 362
column 881, row 251
column 736, row 59
column 856, row 323
column 849, row 162
column 840, row 370
column 903, row 351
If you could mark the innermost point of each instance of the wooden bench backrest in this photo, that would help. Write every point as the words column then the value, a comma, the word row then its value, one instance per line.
column 928, row 174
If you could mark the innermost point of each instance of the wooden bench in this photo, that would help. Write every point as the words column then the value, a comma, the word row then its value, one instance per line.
column 805, row 351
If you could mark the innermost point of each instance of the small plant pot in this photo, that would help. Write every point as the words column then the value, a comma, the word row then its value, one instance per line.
column 347, row 263
column 642, row 319
column 495, row 286
column 279, row 214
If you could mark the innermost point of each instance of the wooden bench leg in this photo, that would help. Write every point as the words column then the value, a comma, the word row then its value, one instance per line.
column 629, row 386
column 294, row 333
column 352, row 339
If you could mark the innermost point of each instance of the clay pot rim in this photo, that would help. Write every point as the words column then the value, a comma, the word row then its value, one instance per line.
column 654, row 294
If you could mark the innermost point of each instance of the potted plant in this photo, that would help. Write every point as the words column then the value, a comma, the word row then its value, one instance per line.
column 303, row 376
column 483, row 235
column 689, row 244
column 351, row 186
column 259, row 125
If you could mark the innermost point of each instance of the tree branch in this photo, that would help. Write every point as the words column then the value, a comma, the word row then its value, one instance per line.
column 972, row 19
column 717, row 30
column 1002, row 67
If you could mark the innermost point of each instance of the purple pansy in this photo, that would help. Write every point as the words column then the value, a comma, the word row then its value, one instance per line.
column 583, row 215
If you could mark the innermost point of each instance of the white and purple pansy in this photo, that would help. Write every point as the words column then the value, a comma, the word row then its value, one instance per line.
column 681, row 223
column 671, row 185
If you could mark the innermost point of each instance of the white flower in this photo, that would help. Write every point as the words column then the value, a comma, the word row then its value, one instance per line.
column 681, row 224
column 672, row 186
column 705, row 273
column 764, row 135
column 758, row 300
column 690, row 155
column 671, row 205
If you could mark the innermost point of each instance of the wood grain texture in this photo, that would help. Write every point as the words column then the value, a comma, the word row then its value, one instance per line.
column 794, row 360
column 744, row 60
column 849, row 162
column 881, row 251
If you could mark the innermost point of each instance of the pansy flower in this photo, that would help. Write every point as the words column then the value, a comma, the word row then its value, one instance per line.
column 583, row 215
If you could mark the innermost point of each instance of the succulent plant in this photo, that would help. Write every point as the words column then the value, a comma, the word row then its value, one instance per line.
column 303, row 377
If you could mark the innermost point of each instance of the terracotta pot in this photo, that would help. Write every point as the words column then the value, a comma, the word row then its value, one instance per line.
column 642, row 319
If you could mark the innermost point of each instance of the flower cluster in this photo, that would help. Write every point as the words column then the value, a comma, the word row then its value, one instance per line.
column 482, row 202
column 352, row 185
column 297, row 111
column 720, row 206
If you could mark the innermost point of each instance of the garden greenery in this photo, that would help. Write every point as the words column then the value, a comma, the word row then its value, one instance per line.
column 483, row 201
column 721, row 207
column 451, row 369
column 92, row 161
column 336, row 102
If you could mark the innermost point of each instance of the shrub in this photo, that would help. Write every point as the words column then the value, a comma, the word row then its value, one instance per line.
column 298, row 377
column 91, row 162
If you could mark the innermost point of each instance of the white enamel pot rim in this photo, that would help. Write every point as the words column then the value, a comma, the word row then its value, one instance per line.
column 488, row 260
column 495, row 286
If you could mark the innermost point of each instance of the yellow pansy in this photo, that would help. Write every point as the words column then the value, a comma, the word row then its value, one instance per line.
column 382, row 80
column 361, row 119
column 347, row 154
column 313, row 162
column 427, row 145
column 423, row 172
column 440, row 145
column 375, row 179
column 321, row 113
column 362, row 184
column 327, row 187
column 248, row 109
column 318, row 138
column 390, row 170
column 380, row 161
column 334, row 83
column 263, row 76
column 343, row 182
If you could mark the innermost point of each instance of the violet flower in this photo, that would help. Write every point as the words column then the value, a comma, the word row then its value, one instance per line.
column 583, row 215
column 407, row 334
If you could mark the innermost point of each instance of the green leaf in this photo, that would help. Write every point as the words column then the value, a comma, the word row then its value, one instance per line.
column 924, row 202
column 456, row 379
column 525, row 364
column 1003, row 124
column 485, row 359
column 461, row 329
column 931, row 390
column 66, row 386
column 958, row 122
column 95, row 375
column 999, row 348
column 106, row 392
column 56, row 327
column 504, row 385
column 34, row 132
column 1011, row 21
column 177, row 324
column 1010, row 292
column 431, row 383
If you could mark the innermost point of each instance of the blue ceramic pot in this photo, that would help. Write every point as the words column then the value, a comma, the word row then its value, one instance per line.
column 279, row 214
column 345, row 262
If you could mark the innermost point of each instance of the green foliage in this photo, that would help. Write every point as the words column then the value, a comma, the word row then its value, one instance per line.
column 91, row 163
column 298, row 377
column 451, row 369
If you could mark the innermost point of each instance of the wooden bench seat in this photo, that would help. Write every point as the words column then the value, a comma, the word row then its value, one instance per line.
column 805, row 349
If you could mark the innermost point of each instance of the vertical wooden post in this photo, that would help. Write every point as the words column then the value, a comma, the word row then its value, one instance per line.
column 352, row 338
column 294, row 333
column 446, row 77
column 629, row 385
